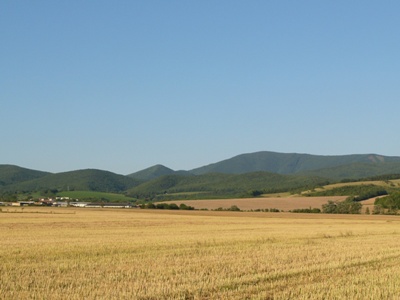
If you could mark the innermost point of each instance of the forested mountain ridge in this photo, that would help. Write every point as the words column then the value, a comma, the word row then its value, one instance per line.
column 222, row 185
column 260, row 171
column 88, row 179
column 10, row 174
column 288, row 163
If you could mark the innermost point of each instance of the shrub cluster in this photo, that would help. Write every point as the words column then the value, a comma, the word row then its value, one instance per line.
column 357, row 192
column 307, row 210
column 232, row 208
column 171, row 206
column 274, row 210
column 344, row 207
column 370, row 193
column 387, row 205
column 267, row 209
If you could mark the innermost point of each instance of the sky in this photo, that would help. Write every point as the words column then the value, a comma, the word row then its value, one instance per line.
column 124, row 85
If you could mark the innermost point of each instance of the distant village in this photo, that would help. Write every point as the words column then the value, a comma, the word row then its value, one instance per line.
column 67, row 202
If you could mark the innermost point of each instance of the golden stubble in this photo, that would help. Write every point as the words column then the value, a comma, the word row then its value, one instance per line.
column 281, row 203
column 141, row 254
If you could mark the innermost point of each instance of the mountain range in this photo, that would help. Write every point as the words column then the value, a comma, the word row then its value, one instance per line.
column 263, row 170
column 331, row 167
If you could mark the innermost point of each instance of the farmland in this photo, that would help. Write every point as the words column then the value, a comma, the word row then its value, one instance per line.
column 67, row 253
column 281, row 203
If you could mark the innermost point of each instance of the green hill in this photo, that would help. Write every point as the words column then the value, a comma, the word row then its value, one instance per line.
column 10, row 174
column 155, row 172
column 289, row 163
column 222, row 185
column 82, row 180
column 241, row 175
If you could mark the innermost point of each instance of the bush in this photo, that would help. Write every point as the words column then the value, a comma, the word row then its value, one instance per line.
column 356, row 192
column 162, row 206
column 344, row 207
column 256, row 193
column 234, row 208
column 391, row 202
column 173, row 206
column 307, row 210
column 150, row 206
column 377, row 210
column 185, row 207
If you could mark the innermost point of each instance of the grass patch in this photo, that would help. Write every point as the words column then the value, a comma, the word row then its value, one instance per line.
column 98, row 196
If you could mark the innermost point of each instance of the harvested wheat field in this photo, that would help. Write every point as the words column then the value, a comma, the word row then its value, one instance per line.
column 281, row 203
column 62, row 253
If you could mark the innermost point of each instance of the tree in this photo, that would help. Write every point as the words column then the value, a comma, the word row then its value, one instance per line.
column 173, row 206
column 256, row 193
column 391, row 202
column 151, row 206
column 345, row 207
column 234, row 208
column 329, row 208
column 183, row 206
column 377, row 210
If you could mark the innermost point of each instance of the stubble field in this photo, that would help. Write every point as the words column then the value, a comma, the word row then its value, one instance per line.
column 281, row 203
column 145, row 254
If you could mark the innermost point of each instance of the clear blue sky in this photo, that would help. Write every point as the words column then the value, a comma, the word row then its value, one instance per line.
column 124, row 85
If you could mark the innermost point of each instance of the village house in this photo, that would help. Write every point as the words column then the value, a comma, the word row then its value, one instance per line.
column 22, row 203
column 78, row 204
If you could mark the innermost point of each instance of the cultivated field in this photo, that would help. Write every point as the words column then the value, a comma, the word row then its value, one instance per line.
column 62, row 253
column 281, row 203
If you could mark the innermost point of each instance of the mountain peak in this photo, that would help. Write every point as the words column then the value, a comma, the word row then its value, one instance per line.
column 152, row 172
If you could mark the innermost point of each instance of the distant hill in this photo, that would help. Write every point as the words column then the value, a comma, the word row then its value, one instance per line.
column 83, row 180
column 265, row 171
column 289, row 163
column 219, row 184
column 10, row 174
column 155, row 172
